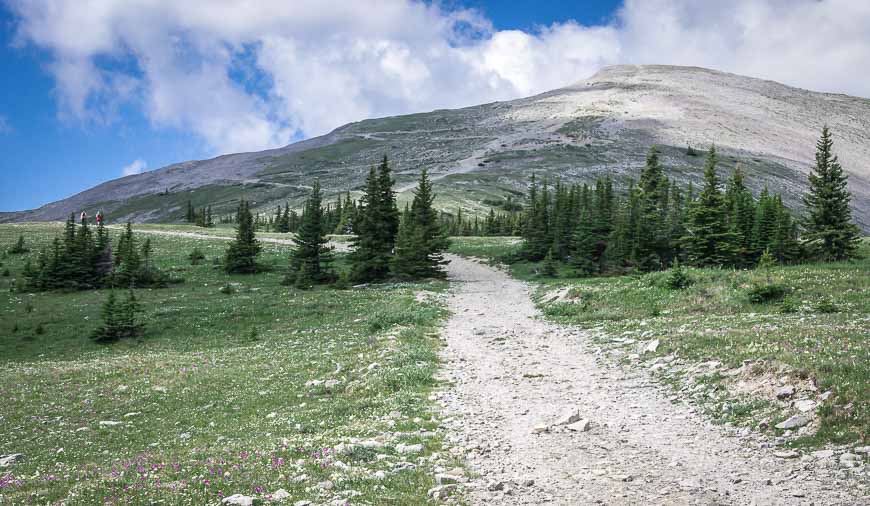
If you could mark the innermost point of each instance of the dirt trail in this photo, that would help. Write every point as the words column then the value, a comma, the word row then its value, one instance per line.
column 512, row 371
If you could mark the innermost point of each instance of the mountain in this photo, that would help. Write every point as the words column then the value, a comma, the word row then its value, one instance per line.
column 605, row 124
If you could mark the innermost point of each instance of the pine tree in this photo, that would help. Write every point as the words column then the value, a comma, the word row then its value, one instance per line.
column 828, row 227
column 535, row 230
column 741, row 213
column 650, row 247
column 420, row 252
column 387, row 201
column 19, row 248
column 376, row 227
column 311, row 258
column 191, row 214
column 241, row 255
column 709, row 241
column 109, row 329
column 209, row 222
column 550, row 269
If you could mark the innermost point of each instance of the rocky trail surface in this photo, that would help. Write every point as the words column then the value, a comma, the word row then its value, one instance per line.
column 544, row 419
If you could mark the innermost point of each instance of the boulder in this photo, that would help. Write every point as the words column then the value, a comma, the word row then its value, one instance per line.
column 794, row 422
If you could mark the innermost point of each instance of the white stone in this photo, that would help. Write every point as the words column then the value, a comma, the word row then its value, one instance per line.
column 109, row 423
column 238, row 500
column 805, row 405
column 568, row 420
column 580, row 426
column 652, row 346
column 280, row 495
column 541, row 428
column 404, row 449
column 8, row 460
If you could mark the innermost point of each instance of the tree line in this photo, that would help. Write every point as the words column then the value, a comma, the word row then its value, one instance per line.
column 387, row 243
column 656, row 224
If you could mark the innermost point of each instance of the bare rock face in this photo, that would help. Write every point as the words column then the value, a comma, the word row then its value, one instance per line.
column 604, row 124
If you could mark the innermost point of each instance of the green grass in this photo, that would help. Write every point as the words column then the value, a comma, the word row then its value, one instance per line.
column 493, row 249
column 205, row 411
column 818, row 333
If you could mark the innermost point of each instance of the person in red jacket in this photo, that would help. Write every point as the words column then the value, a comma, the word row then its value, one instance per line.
column 99, row 217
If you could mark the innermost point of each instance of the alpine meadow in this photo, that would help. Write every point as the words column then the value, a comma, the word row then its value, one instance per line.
column 535, row 267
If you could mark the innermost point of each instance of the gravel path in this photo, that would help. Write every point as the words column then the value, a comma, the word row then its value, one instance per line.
column 511, row 372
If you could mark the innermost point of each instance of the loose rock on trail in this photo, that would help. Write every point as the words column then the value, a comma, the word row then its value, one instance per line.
column 543, row 420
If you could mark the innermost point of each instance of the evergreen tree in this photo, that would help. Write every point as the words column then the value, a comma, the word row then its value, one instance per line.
column 119, row 319
column 241, row 255
column 535, row 229
column 387, row 201
column 376, row 227
column 191, row 214
column 650, row 248
column 20, row 247
column 311, row 258
column 741, row 213
column 709, row 240
column 828, row 227
column 420, row 250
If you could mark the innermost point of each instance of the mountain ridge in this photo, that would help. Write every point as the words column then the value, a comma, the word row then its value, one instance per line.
column 603, row 124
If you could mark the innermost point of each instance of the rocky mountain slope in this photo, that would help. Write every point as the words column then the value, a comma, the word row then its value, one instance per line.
column 604, row 124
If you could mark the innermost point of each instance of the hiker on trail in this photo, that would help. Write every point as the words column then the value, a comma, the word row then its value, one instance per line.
column 99, row 217
column 84, row 217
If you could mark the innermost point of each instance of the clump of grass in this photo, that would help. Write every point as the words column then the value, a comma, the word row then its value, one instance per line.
column 39, row 330
column 228, row 289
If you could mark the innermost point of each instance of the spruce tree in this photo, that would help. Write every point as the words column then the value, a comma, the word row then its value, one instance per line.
column 376, row 227
column 241, row 255
column 420, row 253
column 311, row 258
column 828, row 227
column 19, row 247
column 709, row 240
column 387, row 201
column 535, row 229
column 650, row 247
column 741, row 213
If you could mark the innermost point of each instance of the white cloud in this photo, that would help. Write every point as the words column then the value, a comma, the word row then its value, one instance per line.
column 317, row 64
column 135, row 167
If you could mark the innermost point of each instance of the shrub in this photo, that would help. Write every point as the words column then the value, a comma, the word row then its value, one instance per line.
column 678, row 278
column 39, row 330
column 760, row 294
column 228, row 289
column 789, row 306
column 6, row 273
column 196, row 256
column 827, row 306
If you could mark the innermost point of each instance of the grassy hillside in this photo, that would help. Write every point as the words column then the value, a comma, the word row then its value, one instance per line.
column 719, row 349
column 196, row 409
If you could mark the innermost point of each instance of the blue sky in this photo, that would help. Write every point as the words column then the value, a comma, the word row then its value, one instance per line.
column 88, row 91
